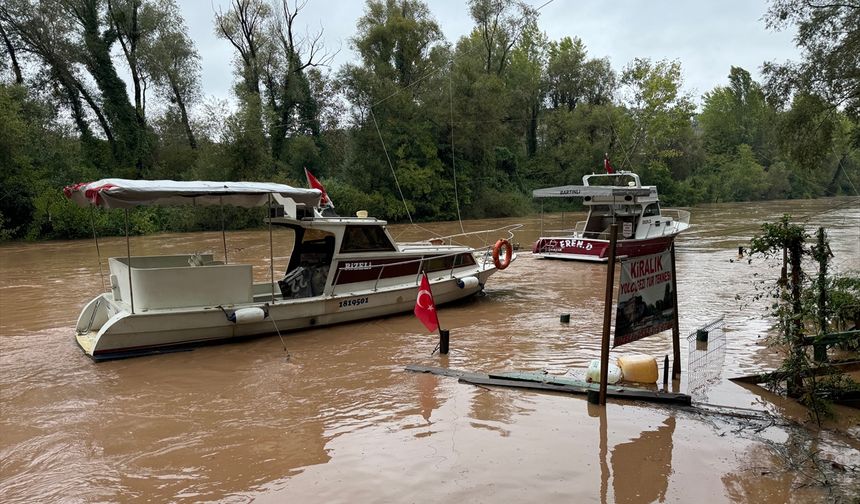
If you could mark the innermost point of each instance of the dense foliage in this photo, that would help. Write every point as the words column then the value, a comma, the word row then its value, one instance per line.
column 467, row 127
column 808, row 305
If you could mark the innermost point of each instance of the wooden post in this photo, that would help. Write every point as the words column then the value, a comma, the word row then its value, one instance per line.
column 820, row 351
column 665, row 373
column 607, row 313
column 795, row 252
column 676, row 329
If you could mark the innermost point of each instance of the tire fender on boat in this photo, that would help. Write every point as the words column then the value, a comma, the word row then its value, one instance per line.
column 502, row 263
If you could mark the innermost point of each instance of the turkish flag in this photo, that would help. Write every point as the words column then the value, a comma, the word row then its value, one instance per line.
column 315, row 184
column 425, row 307
column 607, row 165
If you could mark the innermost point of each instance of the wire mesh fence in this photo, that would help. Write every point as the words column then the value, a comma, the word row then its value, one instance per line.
column 707, row 353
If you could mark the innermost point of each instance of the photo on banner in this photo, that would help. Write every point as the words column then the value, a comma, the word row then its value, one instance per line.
column 646, row 303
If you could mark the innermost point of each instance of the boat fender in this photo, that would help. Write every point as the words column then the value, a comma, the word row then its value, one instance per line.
column 502, row 263
column 246, row 315
column 468, row 282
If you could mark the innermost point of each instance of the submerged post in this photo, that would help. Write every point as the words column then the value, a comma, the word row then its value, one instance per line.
column 676, row 330
column 607, row 313
column 665, row 372
column 443, row 341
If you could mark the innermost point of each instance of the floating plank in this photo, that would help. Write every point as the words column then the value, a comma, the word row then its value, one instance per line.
column 553, row 383
column 453, row 373
column 621, row 393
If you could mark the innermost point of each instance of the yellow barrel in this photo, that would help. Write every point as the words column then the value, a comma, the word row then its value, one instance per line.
column 638, row 368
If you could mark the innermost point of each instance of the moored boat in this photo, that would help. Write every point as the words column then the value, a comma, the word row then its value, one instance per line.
column 643, row 227
column 340, row 269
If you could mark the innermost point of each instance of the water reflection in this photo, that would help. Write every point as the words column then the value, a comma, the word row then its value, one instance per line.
column 427, row 384
column 639, row 468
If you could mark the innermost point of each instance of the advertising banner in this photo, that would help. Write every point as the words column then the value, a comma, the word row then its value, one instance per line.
column 645, row 299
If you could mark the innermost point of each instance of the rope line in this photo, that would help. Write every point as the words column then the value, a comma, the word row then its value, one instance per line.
column 390, row 165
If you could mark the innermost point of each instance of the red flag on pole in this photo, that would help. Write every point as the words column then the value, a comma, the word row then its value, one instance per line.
column 425, row 307
column 315, row 184
column 607, row 165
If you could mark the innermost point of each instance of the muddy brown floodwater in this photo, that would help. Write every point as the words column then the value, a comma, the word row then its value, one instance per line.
column 341, row 421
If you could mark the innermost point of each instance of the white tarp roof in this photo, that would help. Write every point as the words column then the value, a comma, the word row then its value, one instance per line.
column 579, row 191
column 123, row 193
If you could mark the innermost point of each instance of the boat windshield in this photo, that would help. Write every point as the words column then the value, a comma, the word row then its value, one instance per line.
column 601, row 217
column 651, row 210
column 365, row 239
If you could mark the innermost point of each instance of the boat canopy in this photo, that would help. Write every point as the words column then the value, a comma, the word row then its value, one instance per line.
column 124, row 193
column 576, row 191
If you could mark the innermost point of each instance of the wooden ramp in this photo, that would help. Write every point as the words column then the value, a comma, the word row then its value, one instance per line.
column 553, row 383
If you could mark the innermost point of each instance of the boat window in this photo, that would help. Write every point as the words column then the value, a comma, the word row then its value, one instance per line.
column 448, row 262
column 651, row 210
column 365, row 239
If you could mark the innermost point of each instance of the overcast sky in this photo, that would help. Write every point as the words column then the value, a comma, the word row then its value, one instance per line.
column 707, row 37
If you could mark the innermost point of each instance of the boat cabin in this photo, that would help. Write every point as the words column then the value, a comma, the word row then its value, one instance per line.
column 624, row 201
column 333, row 255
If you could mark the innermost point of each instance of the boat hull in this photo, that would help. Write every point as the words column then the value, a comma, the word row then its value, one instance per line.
column 107, row 330
column 594, row 250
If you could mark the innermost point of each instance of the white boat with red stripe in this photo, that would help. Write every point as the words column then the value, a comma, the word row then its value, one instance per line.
column 612, row 198
column 340, row 269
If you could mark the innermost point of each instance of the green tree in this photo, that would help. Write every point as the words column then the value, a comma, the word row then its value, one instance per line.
column 173, row 65
column 500, row 23
column 828, row 33
column 739, row 114
column 400, row 48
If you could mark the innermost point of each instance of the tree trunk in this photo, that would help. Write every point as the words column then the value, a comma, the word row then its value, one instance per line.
column 531, row 134
column 16, row 69
column 118, row 110
column 192, row 142
column 99, row 114
column 795, row 340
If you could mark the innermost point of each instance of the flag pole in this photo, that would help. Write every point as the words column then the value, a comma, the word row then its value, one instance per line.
column 443, row 333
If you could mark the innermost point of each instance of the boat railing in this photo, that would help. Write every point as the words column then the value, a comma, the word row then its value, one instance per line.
column 676, row 214
column 420, row 261
column 450, row 239
column 577, row 229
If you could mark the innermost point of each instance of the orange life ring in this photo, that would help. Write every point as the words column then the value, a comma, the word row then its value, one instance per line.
column 509, row 252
